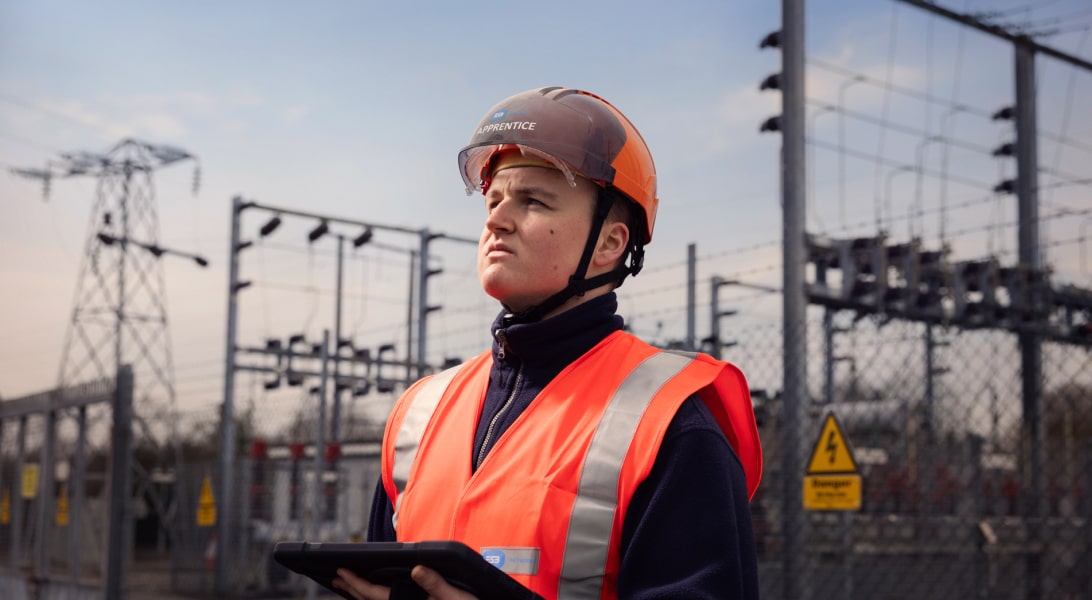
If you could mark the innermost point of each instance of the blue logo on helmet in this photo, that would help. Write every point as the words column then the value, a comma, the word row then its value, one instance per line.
column 494, row 557
column 500, row 114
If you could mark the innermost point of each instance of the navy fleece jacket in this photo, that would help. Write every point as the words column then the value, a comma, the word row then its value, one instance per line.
column 687, row 533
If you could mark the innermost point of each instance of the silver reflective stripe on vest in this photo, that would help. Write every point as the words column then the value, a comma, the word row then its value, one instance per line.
column 413, row 428
column 592, row 518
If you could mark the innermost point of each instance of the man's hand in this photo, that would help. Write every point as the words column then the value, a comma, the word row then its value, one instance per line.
column 437, row 587
column 432, row 582
column 358, row 588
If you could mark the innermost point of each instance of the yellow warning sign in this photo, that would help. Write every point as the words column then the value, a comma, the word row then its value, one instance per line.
column 30, row 482
column 5, row 507
column 206, row 505
column 832, row 492
column 832, row 453
column 832, row 481
column 62, row 506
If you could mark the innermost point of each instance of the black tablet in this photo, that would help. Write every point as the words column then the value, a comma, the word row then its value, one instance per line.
column 390, row 563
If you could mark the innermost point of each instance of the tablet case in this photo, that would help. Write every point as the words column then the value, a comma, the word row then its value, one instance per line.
column 390, row 563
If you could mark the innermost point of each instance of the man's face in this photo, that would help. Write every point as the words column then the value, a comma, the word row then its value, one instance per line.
column 535, row 230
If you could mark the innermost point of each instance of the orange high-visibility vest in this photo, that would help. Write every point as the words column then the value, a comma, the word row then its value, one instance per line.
column 547, row 503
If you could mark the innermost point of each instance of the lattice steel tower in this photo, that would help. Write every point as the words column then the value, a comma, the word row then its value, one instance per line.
column 119, row 313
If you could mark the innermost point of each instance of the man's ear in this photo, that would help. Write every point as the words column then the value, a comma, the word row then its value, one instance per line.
column 613, row 238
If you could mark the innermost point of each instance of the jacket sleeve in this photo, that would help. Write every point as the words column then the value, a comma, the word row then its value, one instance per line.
column 687, row 532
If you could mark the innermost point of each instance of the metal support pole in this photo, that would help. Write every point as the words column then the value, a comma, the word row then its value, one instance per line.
column 828, row 356
column 78, row 483
column 18, row 505
column 930, row 374
column 846, row 517
column 714, row 317
column 925, row 440
column 227, row 411
column 335, row 413
column 316, row 511
column 422, row 302
column 330, row 495
column 118, row 535
column 691, row 295
column 409, row 317
column 976, row 519
column 320, row 438
column 1027, row 193
column 245, row 517
column 794, row 329
column 123, row 201
column 45, row 498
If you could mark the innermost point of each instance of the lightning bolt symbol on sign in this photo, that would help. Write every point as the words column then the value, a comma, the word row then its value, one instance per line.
column 832, row 452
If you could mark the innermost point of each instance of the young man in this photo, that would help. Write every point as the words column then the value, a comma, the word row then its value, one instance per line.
column 599, row 466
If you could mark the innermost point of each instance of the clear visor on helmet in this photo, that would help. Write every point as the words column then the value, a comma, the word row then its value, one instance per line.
column 475, row 164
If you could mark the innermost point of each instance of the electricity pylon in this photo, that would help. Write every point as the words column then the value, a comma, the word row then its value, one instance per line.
column 119, row 313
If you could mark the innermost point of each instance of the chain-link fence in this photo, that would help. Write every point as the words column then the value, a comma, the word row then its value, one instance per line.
column 951, row 506
column 936, row 419
column 63, row 490
column 278, row 502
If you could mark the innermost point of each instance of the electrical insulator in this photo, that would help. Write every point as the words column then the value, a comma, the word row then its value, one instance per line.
column 902, row 291
column 822, row 255
column 974, row 289
column 863, row 263
column 935, row 282
column 362, row 384
column 295, row 378
column 382, row 384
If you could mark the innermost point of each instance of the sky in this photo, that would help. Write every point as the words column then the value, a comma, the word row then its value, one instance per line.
column 357, row 110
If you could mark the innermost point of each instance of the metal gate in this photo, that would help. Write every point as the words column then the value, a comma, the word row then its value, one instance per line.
column 65, row 463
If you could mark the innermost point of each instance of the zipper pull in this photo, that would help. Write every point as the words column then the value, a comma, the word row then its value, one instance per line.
column 502, row 342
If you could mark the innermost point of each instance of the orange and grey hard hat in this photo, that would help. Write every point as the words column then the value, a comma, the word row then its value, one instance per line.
column 573, row 130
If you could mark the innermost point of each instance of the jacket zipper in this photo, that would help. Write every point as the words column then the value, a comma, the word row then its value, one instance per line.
column 501, row 338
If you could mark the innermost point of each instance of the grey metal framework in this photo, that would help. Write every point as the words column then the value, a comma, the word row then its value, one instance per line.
column 298, row 359
column 55, row 544
column 928, row 290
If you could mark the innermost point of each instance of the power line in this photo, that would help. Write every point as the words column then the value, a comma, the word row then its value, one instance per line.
column 105, row 133
column 892, row 87
column 1001, row 32
column 25, row 142
column 906, row 129
column 954, row 106
column 866, row 156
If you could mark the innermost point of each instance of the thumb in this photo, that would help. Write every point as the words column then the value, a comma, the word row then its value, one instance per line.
column 436, row 586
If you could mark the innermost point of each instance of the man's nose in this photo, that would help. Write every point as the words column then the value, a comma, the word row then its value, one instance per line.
column 500, row 218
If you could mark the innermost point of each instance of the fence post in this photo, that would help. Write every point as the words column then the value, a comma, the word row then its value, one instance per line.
column 117, row 541
column 17, row 503
column 45, row 493
column 78, row 480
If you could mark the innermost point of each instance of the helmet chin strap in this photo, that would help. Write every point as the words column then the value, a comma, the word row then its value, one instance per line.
column 578, row 284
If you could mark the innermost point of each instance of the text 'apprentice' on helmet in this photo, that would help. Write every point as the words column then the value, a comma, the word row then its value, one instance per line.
column 574, row 129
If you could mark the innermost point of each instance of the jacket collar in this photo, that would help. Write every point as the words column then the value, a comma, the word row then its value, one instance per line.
column 562, row 338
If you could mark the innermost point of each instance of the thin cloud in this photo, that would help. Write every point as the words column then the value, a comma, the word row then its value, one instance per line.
column 292, row 114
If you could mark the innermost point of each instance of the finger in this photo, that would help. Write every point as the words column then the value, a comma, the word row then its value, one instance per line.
column 359, row 588
column 437, row 587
